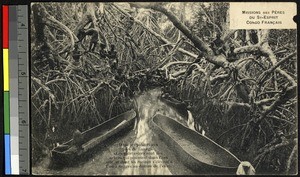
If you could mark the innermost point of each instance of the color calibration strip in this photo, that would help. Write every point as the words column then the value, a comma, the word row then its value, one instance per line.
column 16, row 89
column 7, row 145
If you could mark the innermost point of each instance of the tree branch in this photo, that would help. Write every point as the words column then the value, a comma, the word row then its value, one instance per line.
column 266, row 49
column 49, row 20
column 290, row 93
column 274, row 67
column 158, row 36
column 220, row 60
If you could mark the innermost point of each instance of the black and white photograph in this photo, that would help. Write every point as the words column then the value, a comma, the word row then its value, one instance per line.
column 162, row 88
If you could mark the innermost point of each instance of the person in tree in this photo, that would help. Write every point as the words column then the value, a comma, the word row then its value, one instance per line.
column 94, row 33
column 253, row 37
column 113, row 60
column 119, row 75
column 112, row 54
column 76, row 54
column 103, row 51
column 218, row 45
column 81, row 35
column 231, row 56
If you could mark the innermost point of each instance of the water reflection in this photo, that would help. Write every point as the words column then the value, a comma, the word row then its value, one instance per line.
column 129, row 154
column 153, row 161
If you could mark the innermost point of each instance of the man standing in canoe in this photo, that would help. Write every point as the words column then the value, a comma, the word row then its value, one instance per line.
column 78, row 139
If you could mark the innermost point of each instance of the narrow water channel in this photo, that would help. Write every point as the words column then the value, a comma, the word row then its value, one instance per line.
column 140, row 152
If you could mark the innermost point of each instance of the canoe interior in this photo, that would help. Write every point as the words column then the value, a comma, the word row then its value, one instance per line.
column 198, row 146
column 98, row 131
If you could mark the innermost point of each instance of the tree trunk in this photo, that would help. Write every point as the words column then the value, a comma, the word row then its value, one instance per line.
column 44, row 18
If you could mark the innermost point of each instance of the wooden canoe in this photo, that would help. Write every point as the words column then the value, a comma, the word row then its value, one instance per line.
column 67, row 153
column 199, row 153
column 178, row 106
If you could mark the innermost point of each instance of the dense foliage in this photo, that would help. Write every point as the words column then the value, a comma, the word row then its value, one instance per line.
column 245, row 100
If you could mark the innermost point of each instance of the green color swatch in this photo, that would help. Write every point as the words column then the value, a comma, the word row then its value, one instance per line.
column 6, row 113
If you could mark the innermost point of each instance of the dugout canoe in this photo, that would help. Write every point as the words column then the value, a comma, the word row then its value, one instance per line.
column 178, row 106
column 199, row 153
column 66, row 153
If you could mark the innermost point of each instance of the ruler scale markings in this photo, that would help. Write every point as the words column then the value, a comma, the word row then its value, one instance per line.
column 23, row 90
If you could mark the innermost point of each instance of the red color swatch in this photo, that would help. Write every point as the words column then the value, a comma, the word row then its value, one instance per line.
column 5, row 26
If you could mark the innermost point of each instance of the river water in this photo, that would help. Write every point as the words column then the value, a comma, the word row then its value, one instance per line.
column 140, row 152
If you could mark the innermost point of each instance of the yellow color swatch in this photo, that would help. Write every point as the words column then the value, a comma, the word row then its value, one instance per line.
column 5, row 70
